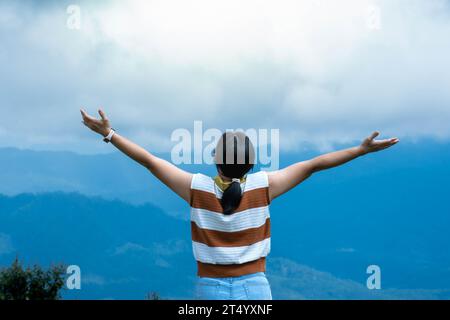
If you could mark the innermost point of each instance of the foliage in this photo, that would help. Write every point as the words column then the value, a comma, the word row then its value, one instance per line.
column 31, row 283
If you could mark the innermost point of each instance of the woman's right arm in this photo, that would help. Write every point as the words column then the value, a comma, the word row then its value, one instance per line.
column 175, row 178
column 287, row 178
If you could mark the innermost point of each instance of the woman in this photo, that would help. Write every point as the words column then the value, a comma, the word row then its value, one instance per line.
column 230, row 221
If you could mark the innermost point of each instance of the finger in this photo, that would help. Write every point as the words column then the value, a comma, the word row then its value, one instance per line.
column 102, row 114
column 83, row 113
column 388, row 143
column 86, row 117
column 384, row 143
column 374, row 135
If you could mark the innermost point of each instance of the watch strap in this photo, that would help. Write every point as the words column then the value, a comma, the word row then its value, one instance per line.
column 108, row 138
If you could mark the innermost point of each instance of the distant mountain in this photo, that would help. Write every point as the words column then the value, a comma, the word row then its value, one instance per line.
column 114, row 176
column 296, row 281
column 125, row 251
column 389, row 209
column 111, row 176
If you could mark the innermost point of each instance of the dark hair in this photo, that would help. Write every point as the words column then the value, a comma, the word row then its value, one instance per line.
column 234, row 158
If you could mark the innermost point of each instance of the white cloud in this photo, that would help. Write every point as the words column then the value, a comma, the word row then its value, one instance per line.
column 168, row 248
column 130, row 247
column 315, row 69
column 99, row 280
column 93, row 279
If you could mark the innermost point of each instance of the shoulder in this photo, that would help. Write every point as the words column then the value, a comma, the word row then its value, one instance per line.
column 257, row 180
column 202, row 182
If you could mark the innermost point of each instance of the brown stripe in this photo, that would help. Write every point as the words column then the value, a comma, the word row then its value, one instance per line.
column 214, row 238
column 230, row 270
column 250, row 199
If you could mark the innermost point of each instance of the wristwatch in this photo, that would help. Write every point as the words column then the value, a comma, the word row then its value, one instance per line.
column 108, row 138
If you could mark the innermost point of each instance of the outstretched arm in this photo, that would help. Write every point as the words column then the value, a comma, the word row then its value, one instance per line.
column 285, row 179
column 176, row 179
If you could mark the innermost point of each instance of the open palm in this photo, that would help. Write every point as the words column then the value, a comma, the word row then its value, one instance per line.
column 371, row 145
column 100, row 126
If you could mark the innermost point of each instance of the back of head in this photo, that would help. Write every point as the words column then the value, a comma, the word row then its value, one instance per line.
column 234, row 157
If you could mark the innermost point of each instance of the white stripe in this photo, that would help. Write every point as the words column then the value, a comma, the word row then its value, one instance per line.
column 202, row 182
column 230, row 255
column 251, row 218
column 253, row 181
column 256, row 180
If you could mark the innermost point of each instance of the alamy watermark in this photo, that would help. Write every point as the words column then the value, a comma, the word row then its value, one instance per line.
column 73, row 281
column 197, row 147
column 74, row 17
column 373, row 21
column 374, row 280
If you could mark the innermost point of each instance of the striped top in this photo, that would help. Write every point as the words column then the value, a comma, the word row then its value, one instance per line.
column 230, row 245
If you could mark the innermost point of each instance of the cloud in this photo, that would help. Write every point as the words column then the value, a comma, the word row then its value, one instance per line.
column 157, row 252
column 130, row 247
column 94, row 279
column 99, row 280
column 168, row 248
column 323, row 71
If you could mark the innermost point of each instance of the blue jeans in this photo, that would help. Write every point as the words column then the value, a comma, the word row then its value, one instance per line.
column 254, row 286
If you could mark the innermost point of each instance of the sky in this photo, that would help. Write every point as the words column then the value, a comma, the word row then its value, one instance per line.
column 323, row 72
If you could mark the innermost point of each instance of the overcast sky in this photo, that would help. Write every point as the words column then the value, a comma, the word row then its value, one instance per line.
column 323, row 71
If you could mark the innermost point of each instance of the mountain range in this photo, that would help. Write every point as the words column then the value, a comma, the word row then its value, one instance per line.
column 130, row 235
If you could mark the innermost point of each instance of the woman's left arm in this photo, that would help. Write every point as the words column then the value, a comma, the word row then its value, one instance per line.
column 285, row 179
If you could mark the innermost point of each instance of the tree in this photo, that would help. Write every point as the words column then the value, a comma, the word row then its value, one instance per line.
column 32, row 283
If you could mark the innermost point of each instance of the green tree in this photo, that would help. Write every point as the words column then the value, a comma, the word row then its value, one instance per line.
column 32, row 283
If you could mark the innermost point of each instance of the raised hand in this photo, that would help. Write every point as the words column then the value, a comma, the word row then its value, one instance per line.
column 100, row 126
column 371, row 145
column 175, row 178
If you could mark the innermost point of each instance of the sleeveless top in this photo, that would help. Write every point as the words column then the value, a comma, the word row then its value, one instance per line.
column 230, row 245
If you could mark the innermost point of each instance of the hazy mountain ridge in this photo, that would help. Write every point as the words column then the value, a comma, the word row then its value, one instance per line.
column 388, row 209
column 98, row 235
column 125, row 251
column 297, row 281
